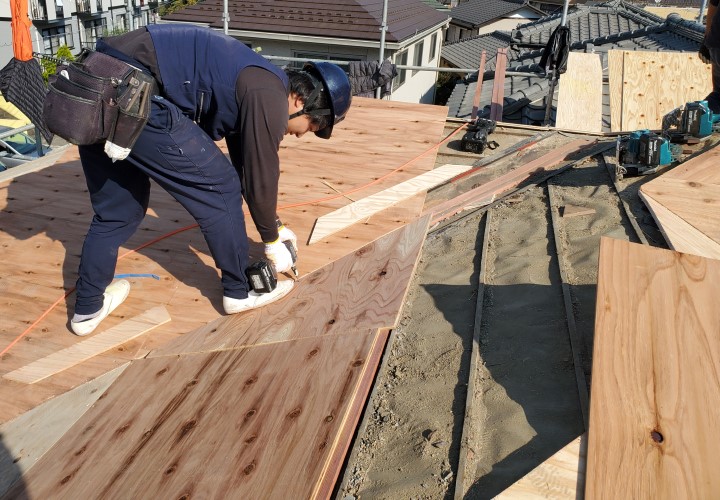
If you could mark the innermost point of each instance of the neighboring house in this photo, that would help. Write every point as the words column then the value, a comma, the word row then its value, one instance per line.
column 477, row 17
column 337, row 30
column 75, row 23
column 598, row 28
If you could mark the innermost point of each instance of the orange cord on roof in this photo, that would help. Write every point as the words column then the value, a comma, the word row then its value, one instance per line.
column 176, row 231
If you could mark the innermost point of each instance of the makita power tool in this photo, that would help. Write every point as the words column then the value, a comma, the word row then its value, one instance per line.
column 643, row 152
column 694, row 120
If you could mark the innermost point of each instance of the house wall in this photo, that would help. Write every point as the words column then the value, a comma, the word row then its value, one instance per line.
column 419, row 86
column 112, row 15
column 460, row 31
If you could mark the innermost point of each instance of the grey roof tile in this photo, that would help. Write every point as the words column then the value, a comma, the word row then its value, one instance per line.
column 614, row 25
column 353, row 19
column 479, row 12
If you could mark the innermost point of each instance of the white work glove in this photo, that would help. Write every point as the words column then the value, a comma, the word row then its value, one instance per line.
column 277, row 253
column 285, row 234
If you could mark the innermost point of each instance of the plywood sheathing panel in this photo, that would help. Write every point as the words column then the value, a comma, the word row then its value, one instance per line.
column 656, row 375
column 29, row 436
column 580, row 95
column 365, row 289
column 90, row 347
column 261, row 421
column 653, row 84
column 561, row 476
column 615, row 88
column 45, row 215
column 685, row 203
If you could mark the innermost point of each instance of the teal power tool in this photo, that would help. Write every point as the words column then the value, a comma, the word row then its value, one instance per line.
column 261, row 275
column 695, row 120
column 643, row 152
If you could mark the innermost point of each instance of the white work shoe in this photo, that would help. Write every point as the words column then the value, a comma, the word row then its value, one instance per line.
column 115, row 294
column 234, row 306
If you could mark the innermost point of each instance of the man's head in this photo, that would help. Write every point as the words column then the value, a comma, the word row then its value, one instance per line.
column 319, row 98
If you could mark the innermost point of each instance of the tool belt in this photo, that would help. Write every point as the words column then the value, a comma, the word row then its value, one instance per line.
column 98, row 98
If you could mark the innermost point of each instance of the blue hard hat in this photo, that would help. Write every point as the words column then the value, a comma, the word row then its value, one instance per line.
column 336, row 83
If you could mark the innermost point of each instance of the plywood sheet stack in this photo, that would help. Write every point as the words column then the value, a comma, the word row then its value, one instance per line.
column 685, row 203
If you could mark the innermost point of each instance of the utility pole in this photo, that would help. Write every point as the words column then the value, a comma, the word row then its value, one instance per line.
column 702, row 11
column 226, row 16
column 383, row 29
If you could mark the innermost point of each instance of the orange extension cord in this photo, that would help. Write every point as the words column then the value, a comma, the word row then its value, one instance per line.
column 172, row 233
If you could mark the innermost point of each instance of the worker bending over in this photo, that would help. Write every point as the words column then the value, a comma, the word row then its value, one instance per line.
column 210, row 87
column 710, row 53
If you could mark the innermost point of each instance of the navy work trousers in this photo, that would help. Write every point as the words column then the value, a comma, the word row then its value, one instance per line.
column 713, row 98
column 174, row 152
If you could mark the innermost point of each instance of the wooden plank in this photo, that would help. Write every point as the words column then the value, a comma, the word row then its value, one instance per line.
column 354, row 212
column 478, row 86
column 498, row 93
column 580, row 95
column 616, row 60
column 362, row 290
column 701, row 168
column 90, row 347
column 569, row 211
column 654, row 83
column 697, row 203
column 473, row 372
column 656, row 375
column 493, row 189
column 562, row 476
column 244, row 423
column 30, row 435
column 679, row 234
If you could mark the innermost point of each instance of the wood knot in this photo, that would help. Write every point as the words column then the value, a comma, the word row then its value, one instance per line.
column 656, row 436
column 313, row 353
column 295, row 413
column 357, row 362
column 249, row 468
column 251, row 439
column 250, row 414
column 171, row 469
column 250, row 381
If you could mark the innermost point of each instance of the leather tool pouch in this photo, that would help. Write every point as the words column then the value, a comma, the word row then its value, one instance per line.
column 98, row 98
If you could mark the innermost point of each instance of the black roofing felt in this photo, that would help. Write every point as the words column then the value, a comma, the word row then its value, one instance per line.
column 350, row 19
column 613, row 25
column 479, row 12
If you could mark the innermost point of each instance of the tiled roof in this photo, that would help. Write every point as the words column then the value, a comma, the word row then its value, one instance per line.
column 437, row 5
column 479, row 12
column 614, row 25
column 466, row 53
column 350, row 19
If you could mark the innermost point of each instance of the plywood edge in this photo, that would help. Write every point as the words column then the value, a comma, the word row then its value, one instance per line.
column 90, row 347
column 560, row 476
column 679, row 234
column 339, row 219
column 27, row 437
column 329, row 475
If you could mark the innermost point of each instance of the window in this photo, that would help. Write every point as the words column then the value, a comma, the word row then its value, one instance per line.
column 418, row 56
column 400, row 60
column 56, row 37
column 307, row 56
column 94, row 29
column 433, row 46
